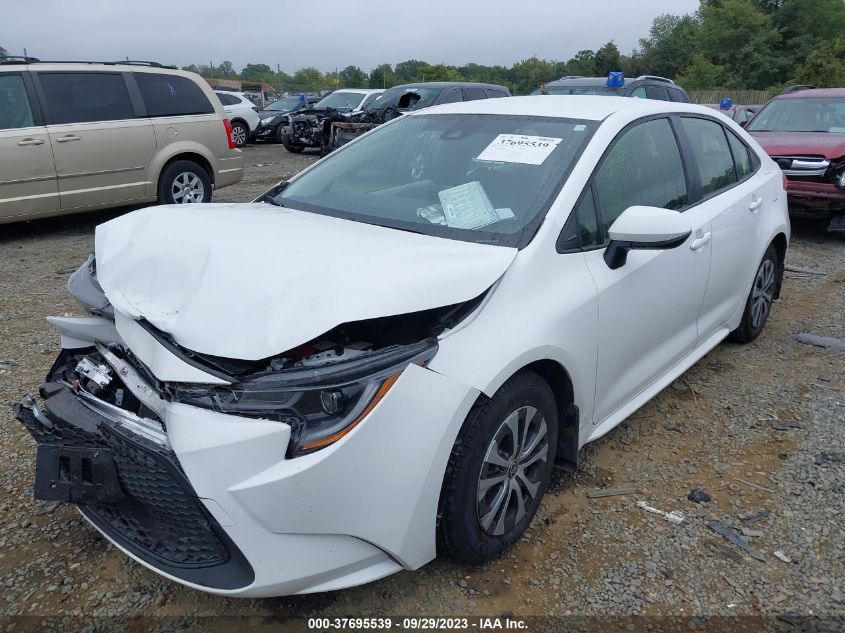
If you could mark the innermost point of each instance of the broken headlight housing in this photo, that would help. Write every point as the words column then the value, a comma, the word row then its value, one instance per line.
column 321, row 404
column 84, row 287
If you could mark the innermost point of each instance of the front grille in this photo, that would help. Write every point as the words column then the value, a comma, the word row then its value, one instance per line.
column 157, row 516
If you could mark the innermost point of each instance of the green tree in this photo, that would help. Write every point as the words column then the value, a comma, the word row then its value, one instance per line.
column 256, row 71
column 824, row 66
column 528, row 74
column 226, row 71
column 308, row 79
column 409, row 71
column 669, row 47
column 805, row 24
column 352, row 77
column 607, row 58
column 701, row 74
column 191, row 68
column 382, row 76
column 583, row 63
column 737, row 35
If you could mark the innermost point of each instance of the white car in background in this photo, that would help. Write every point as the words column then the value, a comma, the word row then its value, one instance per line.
column 383, row 358
column 242, row 113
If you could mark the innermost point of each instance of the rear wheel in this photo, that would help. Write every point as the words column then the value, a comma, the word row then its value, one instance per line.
column 758, row 306
column 499, row 469
column 184, row 182
column 240, row 133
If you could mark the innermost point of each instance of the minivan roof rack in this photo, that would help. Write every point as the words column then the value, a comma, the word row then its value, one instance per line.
column 9, row 59
column 656, row 78
column 18, row 59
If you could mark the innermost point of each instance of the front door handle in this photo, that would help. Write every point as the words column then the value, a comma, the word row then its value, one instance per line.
column 68, row 138
column 755, row 204
column 31, row 141
column 699, row 242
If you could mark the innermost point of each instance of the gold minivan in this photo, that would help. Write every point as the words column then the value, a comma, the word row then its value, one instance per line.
column 81, row 136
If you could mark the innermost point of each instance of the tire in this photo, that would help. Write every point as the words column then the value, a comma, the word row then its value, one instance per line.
column 758, row 305
column 294, row 148
column 184, row 182
column 279, row 136
column 240, row 133
column 474, row 530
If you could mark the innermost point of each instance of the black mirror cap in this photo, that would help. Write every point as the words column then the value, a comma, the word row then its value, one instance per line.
column 616, row 253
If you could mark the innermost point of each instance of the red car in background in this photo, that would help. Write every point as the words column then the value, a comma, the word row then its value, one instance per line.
column 804, row 132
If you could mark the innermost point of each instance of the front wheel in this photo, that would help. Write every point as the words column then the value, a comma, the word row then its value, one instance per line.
column 758, row 305
column 184, row 182
column 499, row 469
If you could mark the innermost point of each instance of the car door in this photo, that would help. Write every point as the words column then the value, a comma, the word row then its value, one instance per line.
column 27, row 172
column 102, row 142
column 732, row 196
column 648, row 308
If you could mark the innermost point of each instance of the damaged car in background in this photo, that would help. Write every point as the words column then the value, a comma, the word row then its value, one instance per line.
column 302, row 129
column 428, row 320
column 332, row 128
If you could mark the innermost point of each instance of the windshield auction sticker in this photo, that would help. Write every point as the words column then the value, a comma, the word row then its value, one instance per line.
column 517, row 148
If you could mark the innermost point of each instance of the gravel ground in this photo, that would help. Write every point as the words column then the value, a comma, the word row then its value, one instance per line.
column 758, row 427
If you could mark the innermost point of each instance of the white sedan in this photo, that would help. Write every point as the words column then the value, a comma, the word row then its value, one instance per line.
column 383, row 359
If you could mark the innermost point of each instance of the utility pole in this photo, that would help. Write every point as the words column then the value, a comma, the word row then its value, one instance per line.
column 24, row 53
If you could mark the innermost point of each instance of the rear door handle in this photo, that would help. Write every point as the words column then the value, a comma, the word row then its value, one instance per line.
column 68, row 138
column 31, row 141
column 755, row 204
column 699, row 242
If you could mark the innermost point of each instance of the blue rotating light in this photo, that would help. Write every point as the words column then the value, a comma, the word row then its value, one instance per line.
column 616, row 79
column 726, row 103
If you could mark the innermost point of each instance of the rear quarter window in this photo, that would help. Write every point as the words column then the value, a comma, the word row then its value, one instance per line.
column 172, row 95
column 492, row 93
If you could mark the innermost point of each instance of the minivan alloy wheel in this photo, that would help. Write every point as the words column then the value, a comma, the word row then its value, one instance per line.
column 510, row 476
column 187, row 188
column 762, row 293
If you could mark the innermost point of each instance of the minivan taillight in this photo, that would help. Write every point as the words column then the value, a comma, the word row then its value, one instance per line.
column 228, row 125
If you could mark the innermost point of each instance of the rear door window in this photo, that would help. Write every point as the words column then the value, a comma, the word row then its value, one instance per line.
column 643, row 168
column 85, row 97
column 15, row 111
column 492, row 93
column 474, row 94
column 172, row 95
column 453, row 95
column 713, row 159
column 657, row 92
column 639, row 93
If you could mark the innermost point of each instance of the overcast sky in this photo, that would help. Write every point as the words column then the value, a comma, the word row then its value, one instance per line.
column 327, row 34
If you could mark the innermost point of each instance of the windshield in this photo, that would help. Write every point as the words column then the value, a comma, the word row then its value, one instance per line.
column 343, row 101
column 481, row 178
column 578, row 90
column 405, row 98
column 801, row 115
column 284, row 105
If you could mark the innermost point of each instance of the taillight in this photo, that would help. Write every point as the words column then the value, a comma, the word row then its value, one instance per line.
column 228, row 125
column 785, row 181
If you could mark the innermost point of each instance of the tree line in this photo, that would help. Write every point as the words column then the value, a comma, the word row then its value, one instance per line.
column 725, row 44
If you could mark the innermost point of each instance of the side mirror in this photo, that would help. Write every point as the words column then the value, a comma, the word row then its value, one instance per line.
column 645, row 228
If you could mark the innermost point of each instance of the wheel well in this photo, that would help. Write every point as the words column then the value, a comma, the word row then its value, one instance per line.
column 238, row 119
column 780, row 248
column 199, row 159
column 568, row 420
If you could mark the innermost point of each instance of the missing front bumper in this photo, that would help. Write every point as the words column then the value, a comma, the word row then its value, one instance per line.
column 131, row 489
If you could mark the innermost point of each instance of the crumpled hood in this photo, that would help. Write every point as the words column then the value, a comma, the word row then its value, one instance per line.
column 829, row 145
column 250, row 281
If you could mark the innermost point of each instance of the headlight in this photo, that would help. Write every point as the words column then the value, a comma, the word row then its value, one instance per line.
column 270, row 120
column 321, row 404
column 84, row 287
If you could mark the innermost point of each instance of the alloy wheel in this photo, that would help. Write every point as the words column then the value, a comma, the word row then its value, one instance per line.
column 239, row 135
column 762, row 293
column 511, row 472
column 187, row 188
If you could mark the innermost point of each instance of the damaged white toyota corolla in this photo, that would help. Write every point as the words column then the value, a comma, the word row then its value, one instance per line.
column 384, row 358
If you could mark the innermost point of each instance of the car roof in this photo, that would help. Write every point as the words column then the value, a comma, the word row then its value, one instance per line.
column 447, row 84
column 585, row 107
column 814, row 93
column 364, row 90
